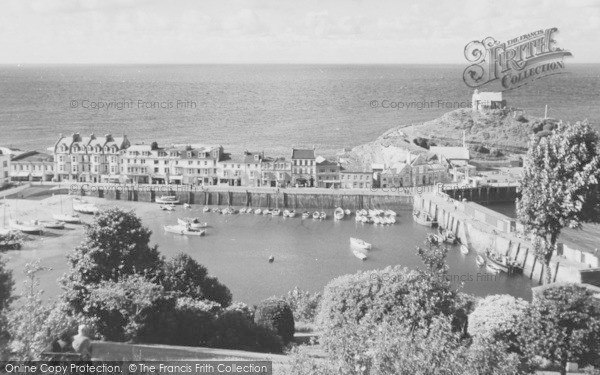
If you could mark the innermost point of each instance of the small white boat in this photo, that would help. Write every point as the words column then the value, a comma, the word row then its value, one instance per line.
column 184, row 231
column 193, row 222
column 65, row 218
column 373, row 212
column 53, row 224
column 32, row 228
column 365, row 219
column 187, row 205
column 167, row 207
column 492, row 268
column 464, row 249
column 390, row 213
column 322, row 215
column 286, row 213
column 266, row 211
column 360, row 255
column 206, row 209
column 242, row 210
column 167, row 199
column 292, row 213
column 258, row 211
column 423, row 218
column 305, row 215
column 480, row 260
column 357, row 242
column 358, row 218
column 216, row 209
column 271, row 259
column 338, row 214
column 86, row 208
column 347, row 212
column 276, row 212
column 434, row 238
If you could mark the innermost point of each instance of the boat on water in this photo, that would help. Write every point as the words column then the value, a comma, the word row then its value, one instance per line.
column 276, row 212
column 390, row 213
column 30, row 228
column 292, row 213
column 206, row 209
column 271, row 259
column 358, row 218
column 423, row 218
column 347, row 212
column 464, row 249
column 258, row 211
column 167, row 207
column 358, row 243
column 497, row 262
column 266, row 211
column 338, row 214
column 449, row 237
column 86, row 208
column 66, row 218
column 187, row 205
column 434, row 238
column 305, row 215
column 480, row 260
column 53, row 224
column 216, row 209
column 193, row 222
column 359, row 254
column 492, row 268
column 316, row 215
column 322, row 215
column 167, row 199
column 183, row 230
column 286, row 213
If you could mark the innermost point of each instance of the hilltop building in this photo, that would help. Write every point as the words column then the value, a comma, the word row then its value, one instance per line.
column 482, row 101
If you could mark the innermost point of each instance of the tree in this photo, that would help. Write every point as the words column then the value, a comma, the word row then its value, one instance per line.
column 559, row 187
column 187, row 278
column 495, row 317
column 6, row 285
column 115, row 244
column 562, row 325
column 276, row 315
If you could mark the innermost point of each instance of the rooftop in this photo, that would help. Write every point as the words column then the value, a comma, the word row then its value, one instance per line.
column 303, row 153
column 451, row 152
column 33, row 156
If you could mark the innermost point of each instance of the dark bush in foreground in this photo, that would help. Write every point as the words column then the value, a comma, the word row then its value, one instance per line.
column 276, row 315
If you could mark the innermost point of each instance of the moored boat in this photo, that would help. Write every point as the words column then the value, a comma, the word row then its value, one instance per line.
column 193, row 222
column 183, row 230
column 292, row 213
column 464, row 249
column 187, row 205
column 338, row 214
column 390, row 213
column 480, row 260
column 266, row 211
column 276, row 212
column 423, row 218
column 286, row 213
column 167, row 207
column 31, row 228
column 54, row 224
column 316, row 215
column 434, row 238
column 322, row 215
column 66, row 218
column 258, row 211
column 497, row 262
column 347, row 212
column 167, row 199
column 86, row 208
column 361, row 244
column 492, row 268
column 305, row 215
column 360, row 255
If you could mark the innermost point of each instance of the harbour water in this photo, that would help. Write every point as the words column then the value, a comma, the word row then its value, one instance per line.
column 308, row 253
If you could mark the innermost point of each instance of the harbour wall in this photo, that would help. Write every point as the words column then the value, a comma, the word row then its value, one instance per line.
column 482, row 229
column 483, row 194
column 296, row 201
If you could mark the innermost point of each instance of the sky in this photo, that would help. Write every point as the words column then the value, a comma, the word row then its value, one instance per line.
column 282, row 31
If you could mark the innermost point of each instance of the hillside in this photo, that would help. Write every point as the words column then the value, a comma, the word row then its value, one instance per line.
column 492, row 135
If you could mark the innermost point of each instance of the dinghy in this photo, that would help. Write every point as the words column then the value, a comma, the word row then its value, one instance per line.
column 193, row 222
column 286, row 213
column 66, row 218
column 167, row 199
column 338, row 214
column 305, row 215
column 276, row 212
column 464, row 249
column 53, row 224
column 316, row 215
column 86, row 208
column 31, row 228
column 423, row 218
column 184, row 231
column 258, row 211
column 348, row 212
column 292, row 213
column 480, row 260
column 360, row 255
column 358, row 243
column 322, row 215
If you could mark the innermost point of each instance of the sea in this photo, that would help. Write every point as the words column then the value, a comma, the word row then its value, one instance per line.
column 269, row 108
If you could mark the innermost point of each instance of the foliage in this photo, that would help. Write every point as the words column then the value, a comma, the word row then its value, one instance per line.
column 562, row 325
column 495, row 317
column 187, row 278
column 423, row 142
column 559, row 187
column 115, row 245
column 304, row 304
column 193, row 322
column 6, row 285
column 123, row 307
column 276, row 315
column 26, row 318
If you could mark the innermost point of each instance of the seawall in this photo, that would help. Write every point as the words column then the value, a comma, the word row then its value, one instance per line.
column 262, row 199
column 482, row 229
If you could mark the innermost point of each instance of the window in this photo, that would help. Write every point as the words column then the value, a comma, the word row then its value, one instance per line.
column 155, row 161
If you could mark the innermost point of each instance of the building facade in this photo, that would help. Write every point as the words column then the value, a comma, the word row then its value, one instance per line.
column 355, row 179
column 89, row 159
column 482, row 101
column 304, row 167
column 32, row 166
column 328, row 174
column 276, row 172
column 5, row 168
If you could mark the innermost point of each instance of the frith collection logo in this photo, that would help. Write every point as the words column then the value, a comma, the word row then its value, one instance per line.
column 516, row 62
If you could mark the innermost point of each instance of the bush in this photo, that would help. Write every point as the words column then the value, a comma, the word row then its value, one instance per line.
column 304, row 304
column 276, row 315
column 522, row 119
column 187, row 278
column 496, row 153
column 495, row 318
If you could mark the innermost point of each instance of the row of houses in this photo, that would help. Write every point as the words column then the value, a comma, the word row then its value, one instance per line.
column 108, row 159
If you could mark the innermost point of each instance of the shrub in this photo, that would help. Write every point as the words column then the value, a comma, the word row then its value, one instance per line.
column 276, row 315
column 495, row 318
column 522, row 119
column 187, row 278
column 304, row 304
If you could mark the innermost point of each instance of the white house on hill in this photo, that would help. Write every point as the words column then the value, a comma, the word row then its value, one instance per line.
column 487, row 100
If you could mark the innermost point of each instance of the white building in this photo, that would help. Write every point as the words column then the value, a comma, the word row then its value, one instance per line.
column 482, row 101
column 4, row 167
